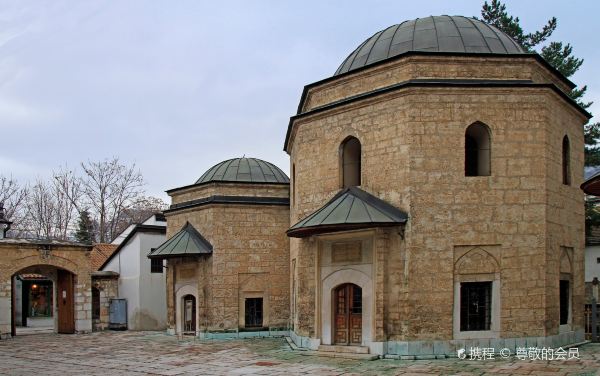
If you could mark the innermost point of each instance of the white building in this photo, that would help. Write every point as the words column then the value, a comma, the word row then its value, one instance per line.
column 141, row 280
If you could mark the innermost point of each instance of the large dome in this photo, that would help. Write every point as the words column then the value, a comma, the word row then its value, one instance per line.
column 246, row 170
column 450, row 34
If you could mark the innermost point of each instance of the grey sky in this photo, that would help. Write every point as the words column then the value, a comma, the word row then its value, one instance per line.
column 177, row 86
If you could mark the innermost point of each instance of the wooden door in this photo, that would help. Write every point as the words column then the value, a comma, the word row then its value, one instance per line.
column 64, row 300
column 348, row 315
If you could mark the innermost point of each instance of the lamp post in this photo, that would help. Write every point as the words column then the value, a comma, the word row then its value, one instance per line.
column 4, row 223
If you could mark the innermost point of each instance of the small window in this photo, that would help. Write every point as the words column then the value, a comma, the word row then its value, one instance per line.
column 477, row 150
column 564, row 302
column 254, row 312
column 351, row 155
column 566, row 161
column 597, row 260
column 293, row 184
column 156, row 265
column 475, row 306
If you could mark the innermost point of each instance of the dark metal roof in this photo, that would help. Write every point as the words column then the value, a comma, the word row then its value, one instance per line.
column 235, row 200
column 431, row 34
column 187, row 242
column 592, row 185
column 247, row 170
column 351, row 208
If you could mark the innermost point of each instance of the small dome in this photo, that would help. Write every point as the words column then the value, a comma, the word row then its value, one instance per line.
column 247, row 170
column 450, row 34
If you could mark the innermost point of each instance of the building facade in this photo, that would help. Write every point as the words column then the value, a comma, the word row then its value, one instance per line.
column 141, row 281
column 435, row 196
column 227, row 255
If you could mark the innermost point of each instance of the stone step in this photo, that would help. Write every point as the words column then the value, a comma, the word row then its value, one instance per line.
column 331, row 354
column 344, row 349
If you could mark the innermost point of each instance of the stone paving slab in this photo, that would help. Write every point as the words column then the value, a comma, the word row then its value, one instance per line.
column 152, row 353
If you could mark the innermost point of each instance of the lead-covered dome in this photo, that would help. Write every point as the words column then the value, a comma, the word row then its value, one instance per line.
column 450, row 34
column 246, row 170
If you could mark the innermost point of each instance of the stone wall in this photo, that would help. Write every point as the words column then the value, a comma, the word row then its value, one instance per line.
column 413, row 157
column 108, row 288
column 35, row 257
column 430, row 67
column 250, row 259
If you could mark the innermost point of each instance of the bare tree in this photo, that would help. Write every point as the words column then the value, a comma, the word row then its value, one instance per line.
column 13, row 195
column 141, row 210
column 108, row 188
column 50, row 214
column 67, row 195
column 40, row 211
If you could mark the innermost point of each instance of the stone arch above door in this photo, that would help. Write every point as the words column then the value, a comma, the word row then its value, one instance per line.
column 184, row 290
column 329, row 284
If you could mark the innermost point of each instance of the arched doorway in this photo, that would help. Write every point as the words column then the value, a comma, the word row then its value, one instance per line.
column 347, row 313
column 42, row 300
column 189, row 314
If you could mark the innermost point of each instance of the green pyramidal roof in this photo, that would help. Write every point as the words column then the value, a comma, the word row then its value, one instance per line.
column 187, row 242
column 351, row 208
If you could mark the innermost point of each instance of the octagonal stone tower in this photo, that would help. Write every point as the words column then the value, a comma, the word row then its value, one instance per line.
column 434, row 196
column 227, row 254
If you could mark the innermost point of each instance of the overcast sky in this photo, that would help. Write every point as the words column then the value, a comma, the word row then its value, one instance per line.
column 178, row 86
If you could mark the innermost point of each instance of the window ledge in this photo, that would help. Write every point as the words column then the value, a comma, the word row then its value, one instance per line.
column 477, row 334
column 564, row 328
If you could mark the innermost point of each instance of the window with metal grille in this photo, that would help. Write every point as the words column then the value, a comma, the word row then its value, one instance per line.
column 156, row 265
column 254, row 312
column 564, row 302
column 475, row 306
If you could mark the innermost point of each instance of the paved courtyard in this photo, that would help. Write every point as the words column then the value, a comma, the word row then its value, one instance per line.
column 151, row 353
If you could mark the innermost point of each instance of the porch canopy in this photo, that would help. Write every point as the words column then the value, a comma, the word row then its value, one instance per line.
column 350, row 209
column 187, row 242
column 592, row 185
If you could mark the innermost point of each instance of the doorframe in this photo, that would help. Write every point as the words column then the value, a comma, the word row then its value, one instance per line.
column 329, row 284
column 349, row 289
column 55, row 296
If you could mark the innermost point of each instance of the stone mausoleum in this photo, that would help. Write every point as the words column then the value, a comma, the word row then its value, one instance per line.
column 227, row 255
column 433, row 204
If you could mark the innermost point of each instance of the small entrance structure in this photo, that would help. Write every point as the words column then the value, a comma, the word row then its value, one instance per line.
column 67, row 294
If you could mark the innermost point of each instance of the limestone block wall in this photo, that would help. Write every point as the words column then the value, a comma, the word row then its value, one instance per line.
column 250, row 258
column 108, row 289
column 24, row 255
column 565, row 219
column 413, row 157
column 430, row 67
column 195, row 192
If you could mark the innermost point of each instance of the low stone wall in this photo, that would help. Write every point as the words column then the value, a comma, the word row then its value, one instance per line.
column 108, row 288
column 448, row 349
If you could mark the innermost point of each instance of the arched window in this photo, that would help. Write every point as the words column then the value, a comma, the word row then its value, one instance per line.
column 351, row 155
column 477, row 150
column 293, row 184
column 566, row 161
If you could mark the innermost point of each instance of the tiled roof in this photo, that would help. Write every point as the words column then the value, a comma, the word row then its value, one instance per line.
column 100, row 253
